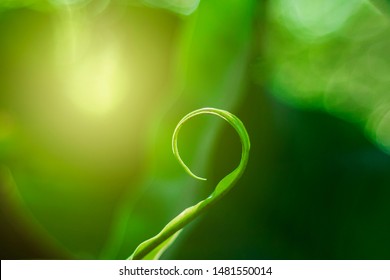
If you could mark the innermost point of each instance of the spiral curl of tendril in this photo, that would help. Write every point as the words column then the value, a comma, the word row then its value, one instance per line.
column 155, row 246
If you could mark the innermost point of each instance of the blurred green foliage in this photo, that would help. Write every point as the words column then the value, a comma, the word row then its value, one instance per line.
column 90, row 93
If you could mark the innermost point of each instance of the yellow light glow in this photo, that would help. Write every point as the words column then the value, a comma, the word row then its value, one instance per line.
column 95, row 83
column 93, row 72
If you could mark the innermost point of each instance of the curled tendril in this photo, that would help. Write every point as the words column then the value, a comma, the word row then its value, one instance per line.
column 155, row 246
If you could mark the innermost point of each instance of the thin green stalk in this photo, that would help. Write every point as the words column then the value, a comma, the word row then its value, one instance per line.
column 155, row 246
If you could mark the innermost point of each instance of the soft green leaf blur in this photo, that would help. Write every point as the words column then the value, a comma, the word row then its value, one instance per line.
column 351, row 49
column 184, row 7
column 382, row 5
column 91, row 92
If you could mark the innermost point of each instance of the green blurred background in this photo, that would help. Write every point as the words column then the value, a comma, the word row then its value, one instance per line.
column 91, row 91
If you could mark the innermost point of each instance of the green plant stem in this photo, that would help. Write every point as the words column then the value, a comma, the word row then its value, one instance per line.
column 147, row 249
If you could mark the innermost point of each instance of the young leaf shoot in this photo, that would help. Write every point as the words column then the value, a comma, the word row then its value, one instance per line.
column 155, row 246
